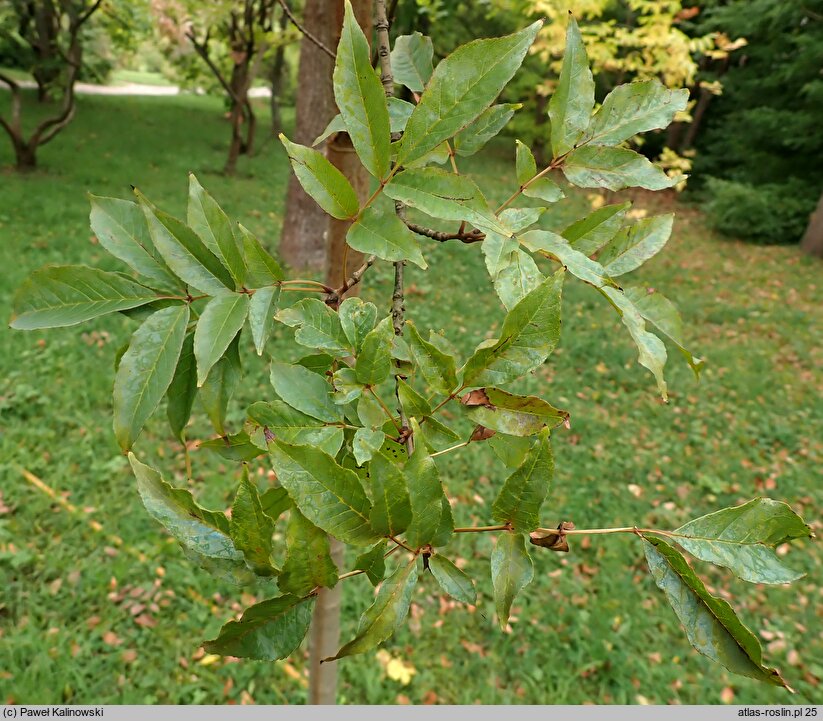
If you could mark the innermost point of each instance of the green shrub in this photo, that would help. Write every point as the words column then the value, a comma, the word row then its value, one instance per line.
column 768, row 213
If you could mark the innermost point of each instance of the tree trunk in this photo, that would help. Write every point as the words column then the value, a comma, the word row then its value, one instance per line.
column 325, row 629
column 812, row 241
column 278, row 73
column 25, row 156
column 239, row 101
column 699, row 112
column 340, row 153
column 304, row 236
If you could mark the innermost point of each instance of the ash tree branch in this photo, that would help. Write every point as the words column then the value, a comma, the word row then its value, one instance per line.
column 203, row 51
column 472, row 236
column 311, row 37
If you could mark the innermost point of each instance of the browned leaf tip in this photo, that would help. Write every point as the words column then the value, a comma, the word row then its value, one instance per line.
column 476, row 398
column 481, row 433
column 553, row 540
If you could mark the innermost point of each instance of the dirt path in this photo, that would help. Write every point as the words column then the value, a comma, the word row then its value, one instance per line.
column 136, row 89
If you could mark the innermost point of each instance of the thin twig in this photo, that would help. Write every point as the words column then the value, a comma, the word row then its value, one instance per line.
column 313, row 38
column 398, row 296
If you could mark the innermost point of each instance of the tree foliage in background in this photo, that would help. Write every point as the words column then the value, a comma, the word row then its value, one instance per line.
column 352, row 426
column 760, row 159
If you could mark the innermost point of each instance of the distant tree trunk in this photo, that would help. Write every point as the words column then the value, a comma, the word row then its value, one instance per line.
column 699, row 112
column 277, row 77
column 239, row 99
column 304, row 236
column 340, row 152
column 25, row 156
column 812, row 241
column 25, row 149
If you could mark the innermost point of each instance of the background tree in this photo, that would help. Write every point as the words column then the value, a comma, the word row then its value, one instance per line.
column 760, row 155
column 58, row 61
column 242, row 27
column 304, row 239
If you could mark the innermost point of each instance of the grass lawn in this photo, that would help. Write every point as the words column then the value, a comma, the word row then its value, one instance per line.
column 98, row 606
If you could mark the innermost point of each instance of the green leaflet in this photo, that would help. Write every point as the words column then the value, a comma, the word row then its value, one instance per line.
column 411, row 61
column 438, row 436
column 662, row 313
column 488, row 124
column 391, row 510
column 650, row 349
column 425, row 494
column 120, row 226
column 322, row 181
column 220, row 386
column 571, row 105
column 374, row 360
column 444, row 195
column 512, row 450
column 369, row 412
column 318, row 326
column 633, row 245
column 361, row 98
column 386, row 236
column 399, row 112
column 183, row 389
column 710, row 623
column 357, row 318
column 219, row 324
column 615, row 169
column 184, row 253
column 743, row 538
column 319, row 363
column 525, row 490
column 250, row 528
column 262, row 306
column 308, row 558
column 146, row 371
column 383, row 617
column 346, row 386
column 498, row 252
column 512, row 414
column 236, row 447
column 290, row 425
column 305, row 391
column 557, row 247
column 63, row 295
column 635, row 108
column 517, row 219
column 525, row 164
column 529, row 334
column 591, row 233
column 452, row 580
column 445, row 528
column 366, row 442
column 275, row 501
column 206, row 218
column 373, row 563
column 204, row 532
column 267, row 631
column 461, row 88
column 517, row 278
column 512, row 571
column 543, row 188
column 436, row 367
column 327, row 494
column 261, row 268
column 413, row 403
